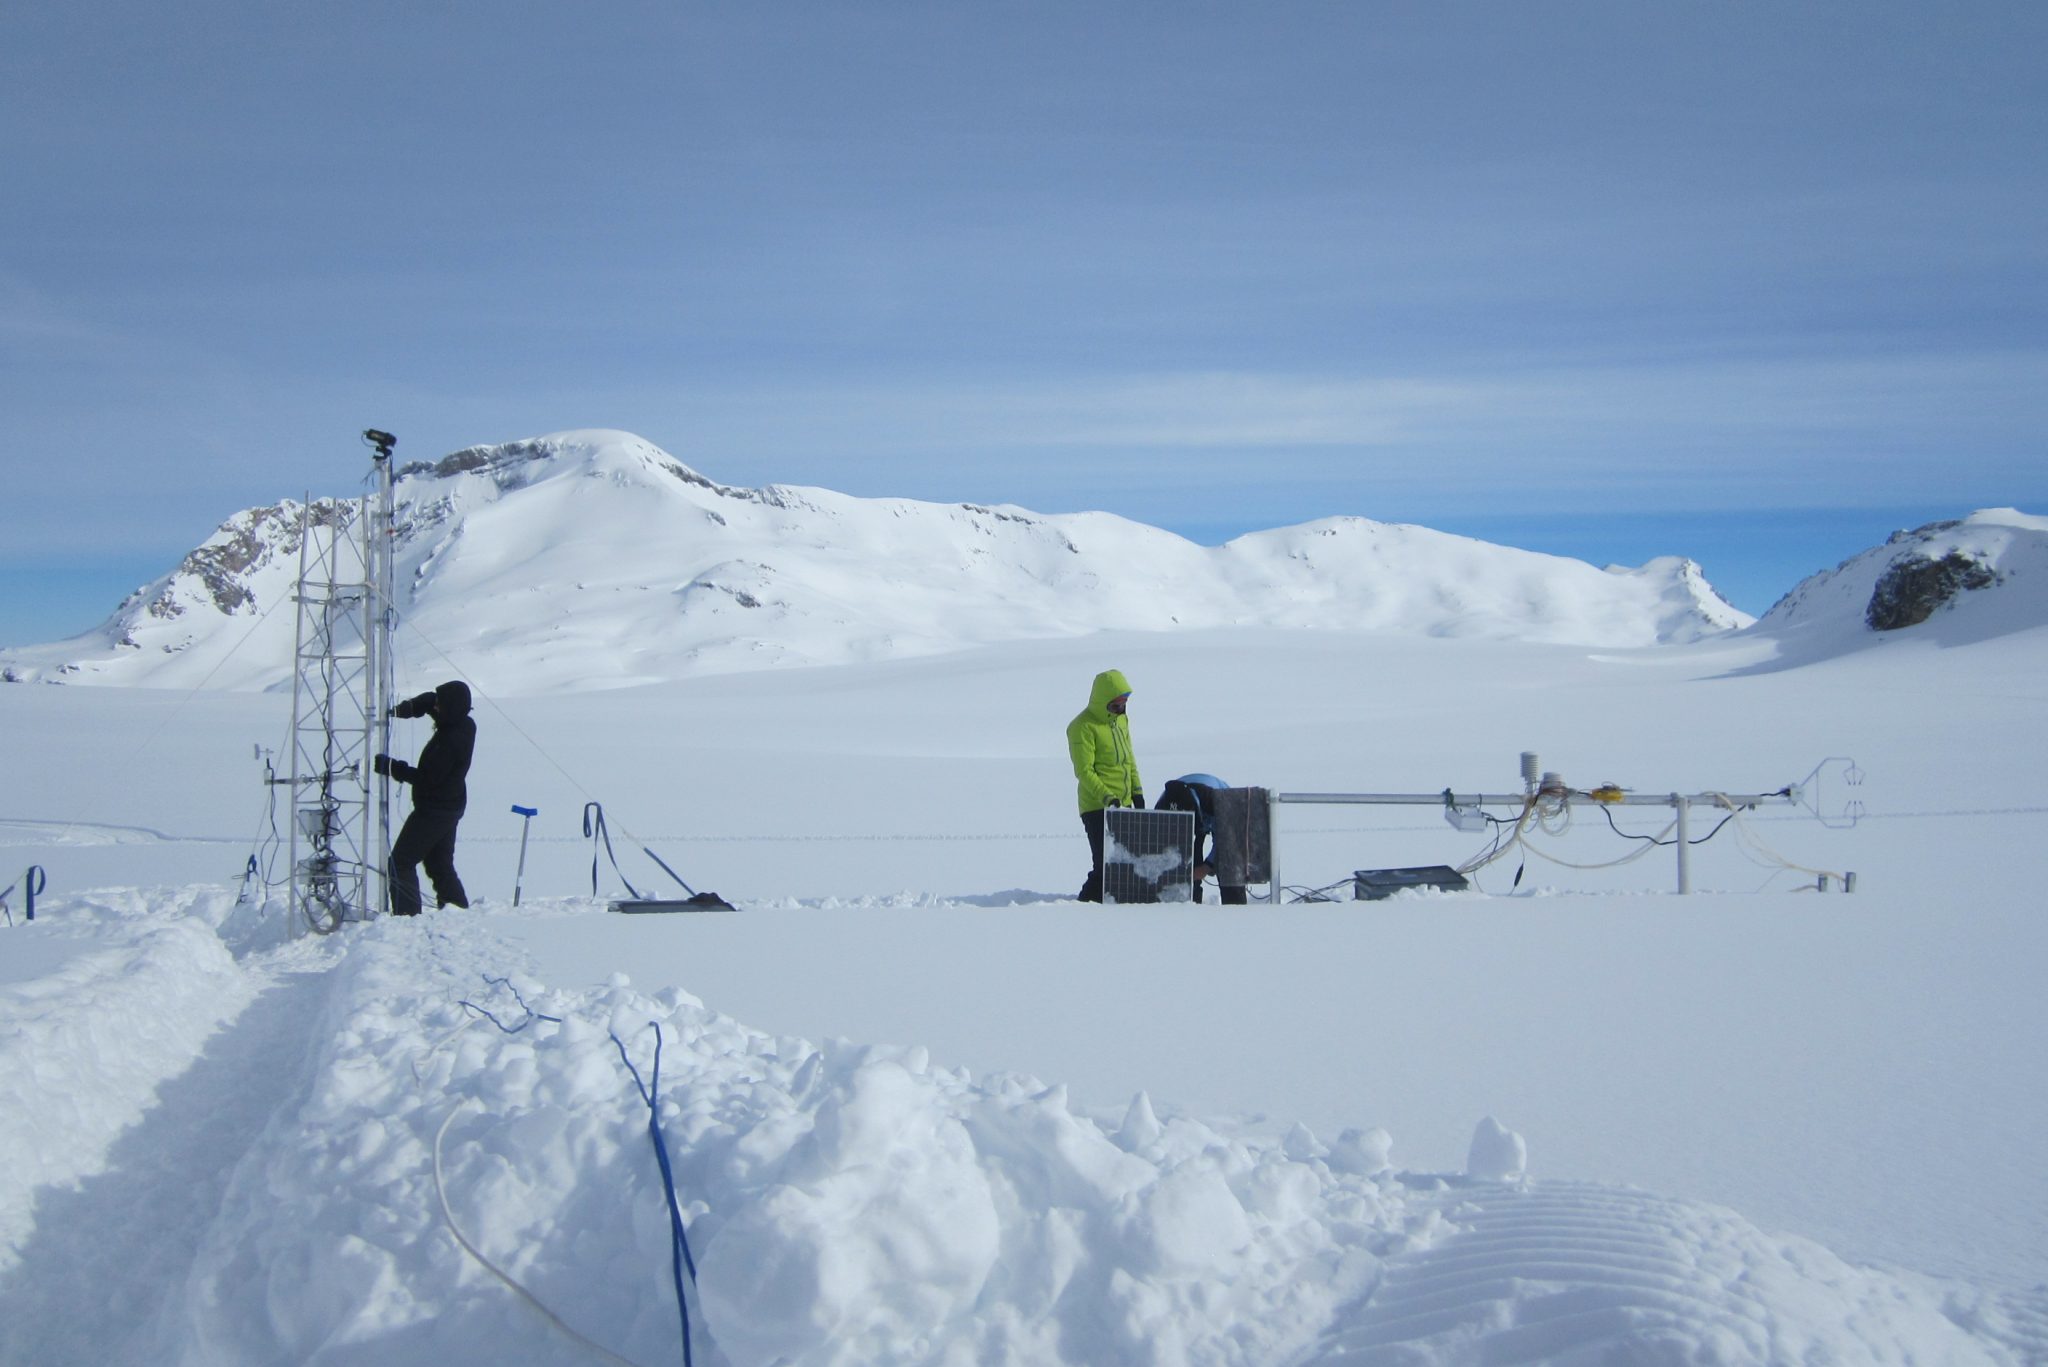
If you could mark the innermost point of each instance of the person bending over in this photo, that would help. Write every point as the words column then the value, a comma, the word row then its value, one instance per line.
column 1196, row 793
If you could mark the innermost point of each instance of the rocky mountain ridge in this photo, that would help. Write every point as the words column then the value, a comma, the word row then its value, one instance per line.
column 595, row 559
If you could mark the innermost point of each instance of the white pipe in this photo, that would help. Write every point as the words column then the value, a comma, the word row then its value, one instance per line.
column 1684, row 806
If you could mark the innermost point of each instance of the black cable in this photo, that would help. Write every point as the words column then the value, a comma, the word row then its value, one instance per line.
column 1500, row 829
column 1608, row 812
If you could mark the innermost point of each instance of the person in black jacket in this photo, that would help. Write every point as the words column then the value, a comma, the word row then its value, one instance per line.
column 439, row 795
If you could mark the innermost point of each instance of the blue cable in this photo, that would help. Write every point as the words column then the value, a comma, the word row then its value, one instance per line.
column 679, row 1238
column 531, row 1014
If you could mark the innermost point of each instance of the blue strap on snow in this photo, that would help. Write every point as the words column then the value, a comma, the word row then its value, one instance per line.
column 679, row 1237
column 31, row 883
column 593, row 826
column 667, row 870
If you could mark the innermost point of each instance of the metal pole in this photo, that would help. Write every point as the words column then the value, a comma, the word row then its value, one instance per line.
column 1575, row 799
column 1684, row 806
column 519, row 879
column 1273, row 847
column 382, row 617
column 295, row 894
column 370, row 825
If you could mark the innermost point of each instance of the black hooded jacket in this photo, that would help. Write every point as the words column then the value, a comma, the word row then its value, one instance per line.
column 438, row 779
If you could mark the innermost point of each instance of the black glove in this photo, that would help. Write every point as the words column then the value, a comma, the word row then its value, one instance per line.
column 1138, row 801
column 407, row 708
column 1114, row 802
column 382, row 764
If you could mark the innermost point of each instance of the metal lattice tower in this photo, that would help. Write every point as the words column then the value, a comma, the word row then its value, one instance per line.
column 341, row 704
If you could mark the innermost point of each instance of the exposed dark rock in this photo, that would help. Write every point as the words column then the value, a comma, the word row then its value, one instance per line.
column 467, row 459
column 220, row 566
column 1913, row 587
column 689, row 476
column 1922, row 533
column 504, row 463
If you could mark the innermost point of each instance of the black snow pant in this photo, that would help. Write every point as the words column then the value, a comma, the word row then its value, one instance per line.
column 1091, row 822
column 427, row 837
column 1205, row 850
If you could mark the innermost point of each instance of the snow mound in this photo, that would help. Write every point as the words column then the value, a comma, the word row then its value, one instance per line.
column 1498, row 1154
column 845, row 1205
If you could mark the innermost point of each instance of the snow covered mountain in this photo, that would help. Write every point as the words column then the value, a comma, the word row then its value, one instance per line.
column 1966, row 580
column 594, row 559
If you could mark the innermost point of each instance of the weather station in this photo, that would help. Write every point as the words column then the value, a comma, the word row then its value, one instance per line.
column 1546, row 805
column 1157, row 856
column 340, row 827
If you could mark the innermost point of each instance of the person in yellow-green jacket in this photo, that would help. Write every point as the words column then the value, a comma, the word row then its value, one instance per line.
column 1105, row 766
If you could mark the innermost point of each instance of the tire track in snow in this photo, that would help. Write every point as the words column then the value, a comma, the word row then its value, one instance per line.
column 107, row 1255
column 2017, row 1320
column 1578, row 1273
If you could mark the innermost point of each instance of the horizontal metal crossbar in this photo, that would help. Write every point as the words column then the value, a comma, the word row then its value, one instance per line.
column 1575, row 797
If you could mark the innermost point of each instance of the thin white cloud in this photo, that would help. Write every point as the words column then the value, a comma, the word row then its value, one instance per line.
column 1887, row 415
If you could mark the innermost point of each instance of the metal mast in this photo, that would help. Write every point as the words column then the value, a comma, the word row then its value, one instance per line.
column 379, row 528
column 341, row 693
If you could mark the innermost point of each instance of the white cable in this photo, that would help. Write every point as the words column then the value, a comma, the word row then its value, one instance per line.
column 1629, row 858
column 1513, row 839
column 552, row 1318
column 1750, row 838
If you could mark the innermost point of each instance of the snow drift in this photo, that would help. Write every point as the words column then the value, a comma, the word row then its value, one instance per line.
column 854, row 1205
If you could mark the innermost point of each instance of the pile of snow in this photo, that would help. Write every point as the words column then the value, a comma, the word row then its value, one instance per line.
column 845, row 1205
column 595, row 560
column 1497, row 1153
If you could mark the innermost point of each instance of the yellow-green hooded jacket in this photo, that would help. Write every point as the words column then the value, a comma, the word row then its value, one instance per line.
column 1100, row 742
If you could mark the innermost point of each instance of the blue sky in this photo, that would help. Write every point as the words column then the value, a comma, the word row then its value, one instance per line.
column 1750, row 282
